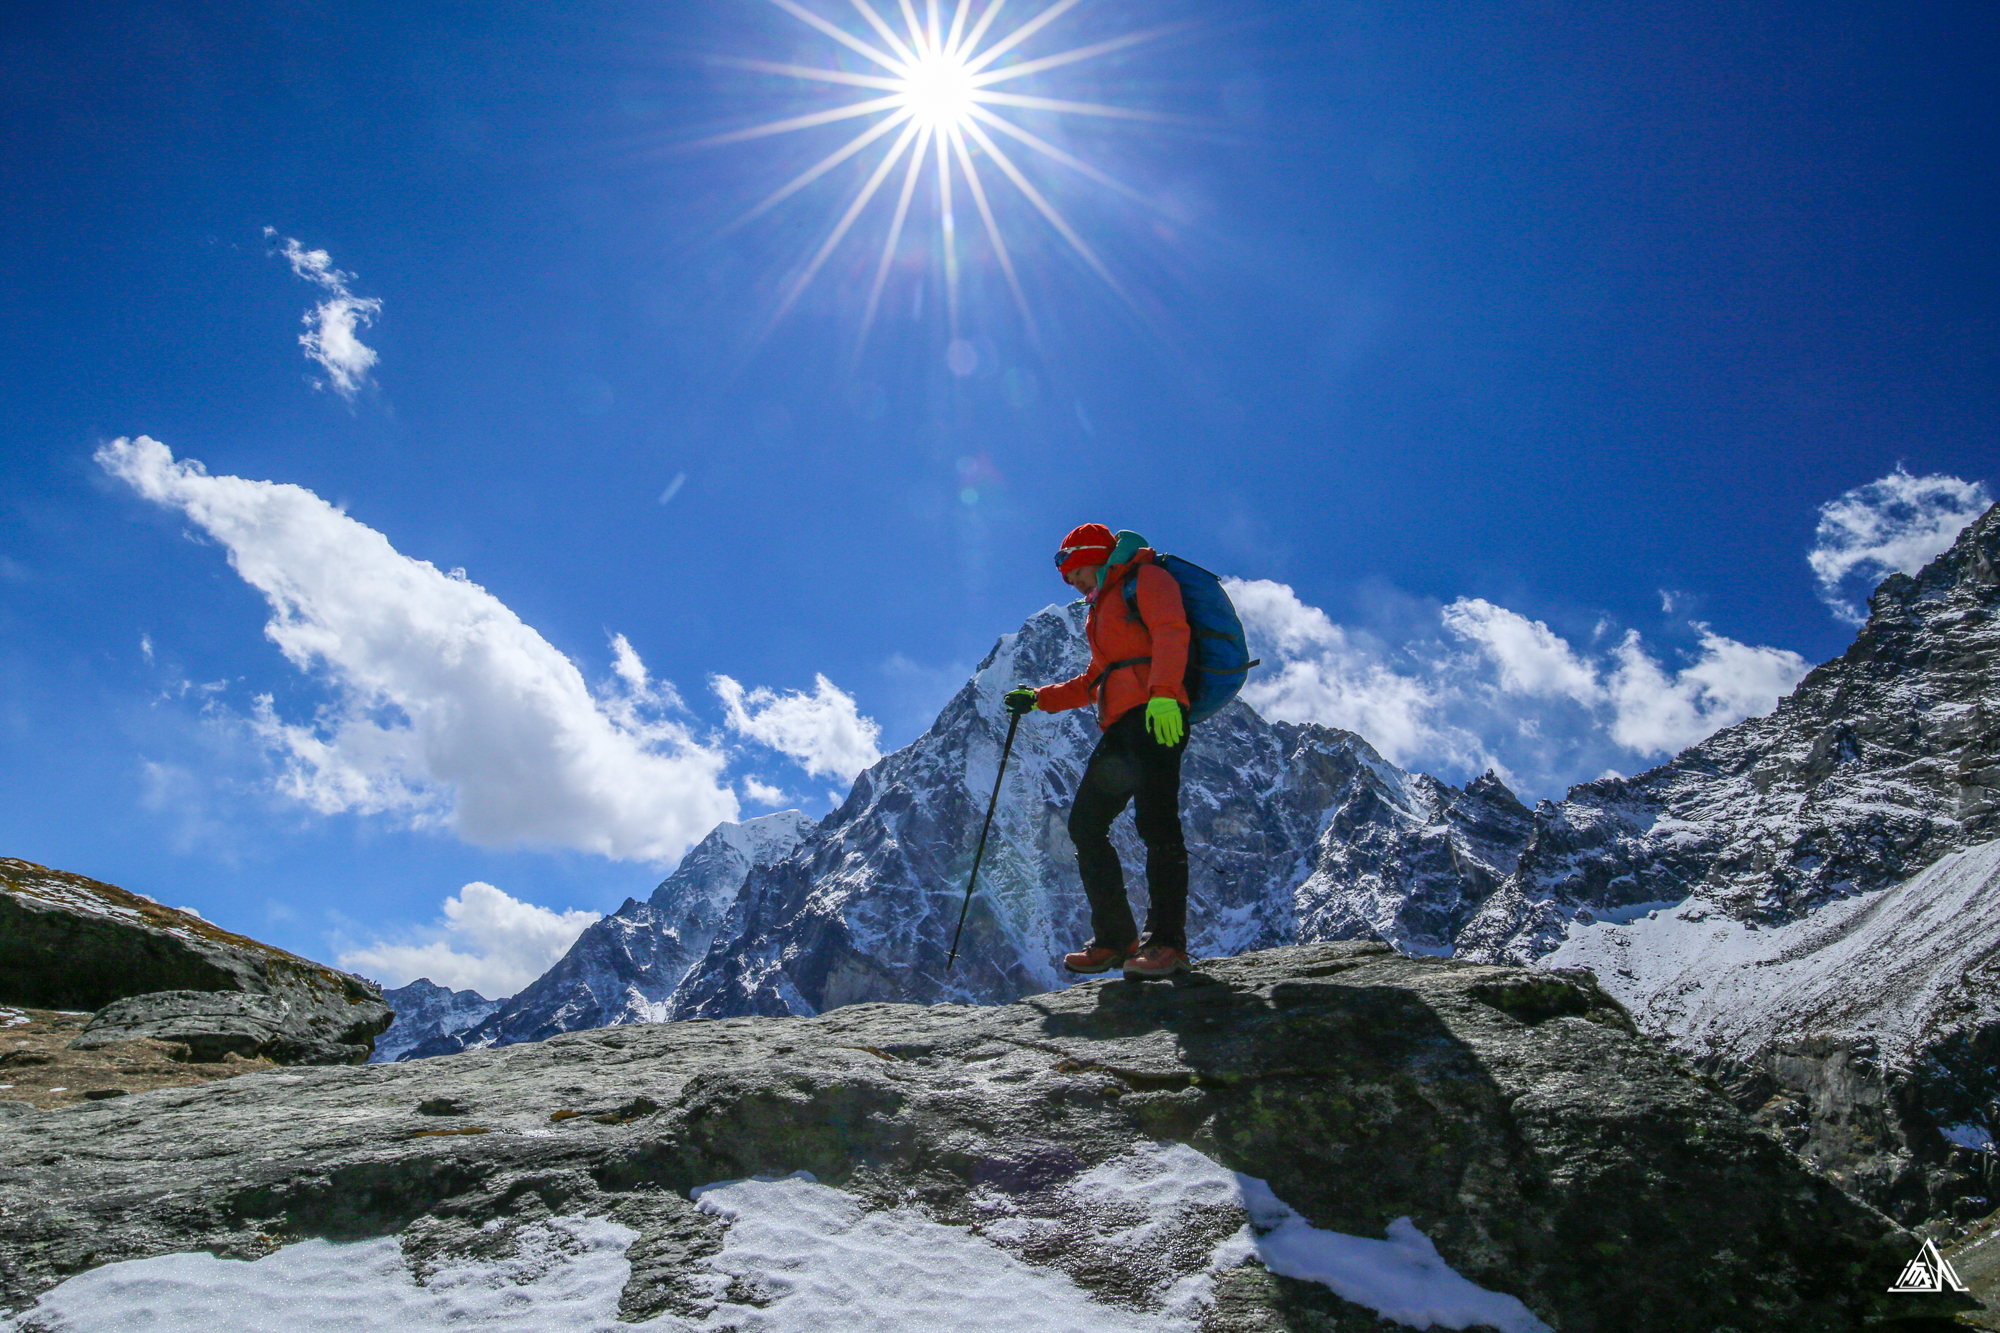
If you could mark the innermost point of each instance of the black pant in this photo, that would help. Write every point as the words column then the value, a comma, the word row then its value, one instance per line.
column 1128, row 762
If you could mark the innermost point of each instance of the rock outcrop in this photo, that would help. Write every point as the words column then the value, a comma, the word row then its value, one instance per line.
column 41, row 1067
column 67, row 942
column 1513, row 1117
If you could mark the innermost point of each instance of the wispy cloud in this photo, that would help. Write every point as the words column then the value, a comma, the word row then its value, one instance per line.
column 487, row 941
column 331, row 326
column 1503, row 690
column 823, row 732
column 763, row 793
column 1894, row 524
column 448, row 708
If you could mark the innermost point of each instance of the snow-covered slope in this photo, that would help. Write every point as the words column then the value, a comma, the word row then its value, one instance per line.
column 1898, row 970
column 1867, row 1032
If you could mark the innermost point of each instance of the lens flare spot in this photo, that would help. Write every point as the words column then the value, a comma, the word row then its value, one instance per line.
column 938, row 90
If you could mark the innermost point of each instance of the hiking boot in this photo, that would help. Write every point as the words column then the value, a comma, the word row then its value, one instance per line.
column 1155, row 960
column 1096, row 958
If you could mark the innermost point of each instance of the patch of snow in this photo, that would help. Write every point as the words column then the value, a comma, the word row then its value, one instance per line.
column 566, row 1279
column 1402, row 1278
column 11, row 1018
column 1418, row 949
column 1976, row 1137
column 1714, row 985
column 817, row 1259
column 798, row 1257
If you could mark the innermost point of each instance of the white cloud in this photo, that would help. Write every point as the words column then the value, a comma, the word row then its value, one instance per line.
column 1647, row 709
column 488, row 941
column 1531, row 658
column 1655, row 714
column 823, row 731
column 1317, row 671
column 762, row 794
column 1896, row 523
column 330, row 336
column 625, row 661
column 1522, row 700
column 449, row 709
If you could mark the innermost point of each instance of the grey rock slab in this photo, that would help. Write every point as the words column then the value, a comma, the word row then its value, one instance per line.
column 214, row 1025
column 1549, row 1151
column 67, row 942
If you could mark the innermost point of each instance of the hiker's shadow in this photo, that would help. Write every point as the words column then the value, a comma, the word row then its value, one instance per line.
column 1356, row 1101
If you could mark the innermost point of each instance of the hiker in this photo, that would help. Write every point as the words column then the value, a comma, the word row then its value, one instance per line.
column 1138, row 631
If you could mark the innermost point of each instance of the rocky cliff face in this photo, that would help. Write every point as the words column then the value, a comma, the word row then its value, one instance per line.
column 1227, row 1152
column 154, row 973
column 1409, row 860
column 1881, row 762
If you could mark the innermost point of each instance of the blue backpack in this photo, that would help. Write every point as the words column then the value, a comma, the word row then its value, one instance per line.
column 1218, row 655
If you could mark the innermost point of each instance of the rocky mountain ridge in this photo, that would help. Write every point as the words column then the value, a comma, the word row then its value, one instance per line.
column 626, row 967
column 1879, row 763
column 425, row 1012
column 1806, row 903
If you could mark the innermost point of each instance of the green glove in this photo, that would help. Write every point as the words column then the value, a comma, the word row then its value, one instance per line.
column 1021, row 700
column 1164, row 720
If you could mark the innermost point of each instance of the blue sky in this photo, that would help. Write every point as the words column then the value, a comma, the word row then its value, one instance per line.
column 1516, row 357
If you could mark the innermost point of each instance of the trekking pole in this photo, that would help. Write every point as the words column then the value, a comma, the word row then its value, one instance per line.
column 1005, row 750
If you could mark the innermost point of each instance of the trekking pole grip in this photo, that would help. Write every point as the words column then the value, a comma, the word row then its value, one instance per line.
column 980, row 853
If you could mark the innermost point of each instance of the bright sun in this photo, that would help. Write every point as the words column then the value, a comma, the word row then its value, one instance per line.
column 936, row 87
column 938, row 91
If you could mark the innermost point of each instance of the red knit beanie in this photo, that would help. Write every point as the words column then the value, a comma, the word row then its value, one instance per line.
column 1087, row 545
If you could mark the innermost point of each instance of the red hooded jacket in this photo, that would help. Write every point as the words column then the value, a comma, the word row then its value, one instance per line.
column 1159, row 632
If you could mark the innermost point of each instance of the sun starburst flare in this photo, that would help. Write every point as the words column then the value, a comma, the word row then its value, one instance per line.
column 934, row 88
